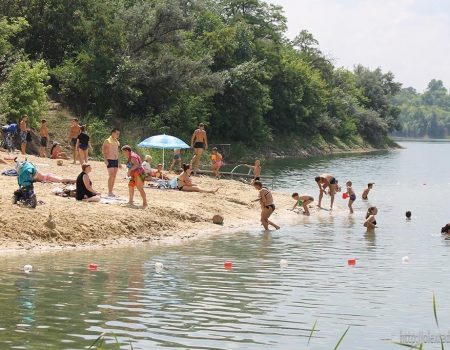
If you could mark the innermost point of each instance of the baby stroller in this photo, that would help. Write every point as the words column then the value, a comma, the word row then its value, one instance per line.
column 25, row 177
column 8, row 132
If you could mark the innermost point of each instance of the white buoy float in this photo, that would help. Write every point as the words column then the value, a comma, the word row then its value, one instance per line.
column 284, row 263
column 405, row 260
column 27, row 268
column 159, row 267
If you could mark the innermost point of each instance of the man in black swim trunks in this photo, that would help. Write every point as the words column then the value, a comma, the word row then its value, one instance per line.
column 199, row 142
column 110, row 151
column 324, row 181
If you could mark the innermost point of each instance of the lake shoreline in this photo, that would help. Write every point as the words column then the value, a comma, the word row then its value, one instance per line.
column 172, row 216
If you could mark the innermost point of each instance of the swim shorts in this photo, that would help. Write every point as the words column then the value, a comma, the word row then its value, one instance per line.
column 44, row 141
column 113, row 163
column 199, row 145
column 73, row 142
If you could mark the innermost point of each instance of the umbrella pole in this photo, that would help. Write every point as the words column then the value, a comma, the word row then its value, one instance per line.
column 163, row 157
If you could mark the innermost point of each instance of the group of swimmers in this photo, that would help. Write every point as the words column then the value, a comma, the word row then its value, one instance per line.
column 328, row 184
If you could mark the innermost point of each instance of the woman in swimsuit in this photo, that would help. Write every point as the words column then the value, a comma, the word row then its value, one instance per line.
column 185, row 184
column 267, row 206
column 371, row 222
column 83, row 145
column 216, row 162
column 199, row 142
column 57, row 153
column 85, row 192
column 137, row 175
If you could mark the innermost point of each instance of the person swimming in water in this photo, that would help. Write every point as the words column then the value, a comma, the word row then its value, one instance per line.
column 324, row 181
column 302, row 201
column 371, row 222
column 267, row 205
column 365, row 194
column 351, row 194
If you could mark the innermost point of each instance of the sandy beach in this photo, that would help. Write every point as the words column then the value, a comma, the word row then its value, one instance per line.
column 171, row 215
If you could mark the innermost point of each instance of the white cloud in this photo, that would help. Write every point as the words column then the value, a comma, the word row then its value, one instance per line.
column 408, row 37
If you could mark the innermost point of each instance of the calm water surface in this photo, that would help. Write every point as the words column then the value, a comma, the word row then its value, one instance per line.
column 196, row 304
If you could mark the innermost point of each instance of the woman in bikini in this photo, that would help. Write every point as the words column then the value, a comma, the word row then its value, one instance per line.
column 137, row 175
column 371, row 222
column 267, row 206
column 185, row 184
column 83, row 145
column 199, row 142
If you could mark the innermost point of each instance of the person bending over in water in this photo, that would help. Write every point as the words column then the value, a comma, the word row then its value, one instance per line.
column 85, row 192
column 324, row 181
column 352, row 196
column 302, row 201
column 267, row 206
column 365, row 194
column 185, row 184
column 371, row 222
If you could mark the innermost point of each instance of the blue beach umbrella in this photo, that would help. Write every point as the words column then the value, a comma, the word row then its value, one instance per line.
column 163, row 141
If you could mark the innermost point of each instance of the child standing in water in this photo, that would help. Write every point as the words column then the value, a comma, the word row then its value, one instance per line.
column 302, row 201
column 351, row 194
column 365, row 194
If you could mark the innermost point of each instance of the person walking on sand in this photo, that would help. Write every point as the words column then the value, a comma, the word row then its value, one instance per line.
column 351, row 194
column 110, row 151
column 199, row 142
column 74, row 131
column 216, row 162
column 24, row 130
column 84, row 191
column 185, row 184
column 267, row 206
column 371, row 222
column 324, row 181
column 365, row 194
column 302, row 201
column 83, row 145
column 43, row 133
column 137, row 175
column 176, row 158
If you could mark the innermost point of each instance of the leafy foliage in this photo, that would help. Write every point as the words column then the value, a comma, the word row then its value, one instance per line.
column 165, row 65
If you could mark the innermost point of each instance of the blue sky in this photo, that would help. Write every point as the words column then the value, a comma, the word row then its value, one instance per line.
column 411, row 38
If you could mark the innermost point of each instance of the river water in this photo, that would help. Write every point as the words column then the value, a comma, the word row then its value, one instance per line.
column 196, row 304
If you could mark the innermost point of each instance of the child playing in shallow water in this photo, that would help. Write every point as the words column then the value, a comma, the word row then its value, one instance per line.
column 351, row 194
column 302, row 201
column 365, row 194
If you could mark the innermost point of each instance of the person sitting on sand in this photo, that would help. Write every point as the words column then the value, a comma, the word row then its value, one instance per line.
column 159, row 173
column 57, row 153
column 352, row 196
column 185, row 184
column 371, row 222
column 256, row 169
column 365, row 194
column 446, row 230
column 324, row 181
column 216, row 162
column 147, row 165
column 302, row 201
column 137, row 175
column 267, row 206
column 84, row 191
